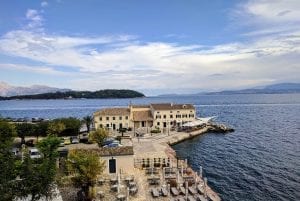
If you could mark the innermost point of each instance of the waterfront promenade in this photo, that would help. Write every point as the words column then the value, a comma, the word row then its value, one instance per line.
column 158, row 146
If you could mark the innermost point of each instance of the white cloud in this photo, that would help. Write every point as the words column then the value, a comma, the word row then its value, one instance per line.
column 35, row 19
column 122, row 61
column 44, row 4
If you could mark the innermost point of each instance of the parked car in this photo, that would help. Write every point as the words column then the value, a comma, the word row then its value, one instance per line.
column 84, row 137
column 16, row 151
column 34, row 153
column 30, row 143
column 108, row 141
column 62, row 142
column 67, row 140
column 74, row 140
column 114, row 143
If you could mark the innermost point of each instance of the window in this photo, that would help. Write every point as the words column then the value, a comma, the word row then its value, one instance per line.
column 101, row 126
column 178, row 116
column 107, row 118
column 171, row 111
column 107, row 125
column 126, row 117
column 158, row 123
column 171, row 116
column 114, row 118
column 165, row 116
column 191, row 115
column 158, row 116
column 120, row 118
column 178, row 111
column 100, row 118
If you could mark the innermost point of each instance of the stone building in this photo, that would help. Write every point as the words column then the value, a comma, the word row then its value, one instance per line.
column 159, row 115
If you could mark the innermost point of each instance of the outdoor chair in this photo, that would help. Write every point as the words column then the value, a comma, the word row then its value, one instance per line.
column 154, row 193
column 164, row 192
column 191, row 198
column 174, row 191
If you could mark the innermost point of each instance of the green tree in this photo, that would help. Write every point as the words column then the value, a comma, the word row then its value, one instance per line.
column 24, row 129
column 72, row 125
column 88, row 120
column 7, row 161
column 38, row 176
column 86, row 166
column 41, row 129
column 98, row 136
column 55, row 128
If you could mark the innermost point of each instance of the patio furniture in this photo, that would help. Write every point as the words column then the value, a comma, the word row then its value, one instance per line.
column 200, row 198
column 182, row 190
column 133, row 191
column 200, row 189
column 101, row 181
column 181, row 199
column 153, row 180
column 164, row 191
column 192, row 190
column 131, row 184
column 114, row 187
column 113, row 180
column 191, row 198
column 174, row 191
column 128, row 179
column 121, row 197
column 100, row 194
column 154, row 192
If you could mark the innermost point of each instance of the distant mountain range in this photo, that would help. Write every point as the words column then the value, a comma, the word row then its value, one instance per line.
column 269, row 89
column 7, row 90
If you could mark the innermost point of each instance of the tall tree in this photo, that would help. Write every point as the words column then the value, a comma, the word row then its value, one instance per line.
column 41, row 129
column 88, row 120
column 7, row 161
column 98, row 136
column 86, row 166
column 38, row 176
column 72, row 125
column 24, row 129
column 55, row 128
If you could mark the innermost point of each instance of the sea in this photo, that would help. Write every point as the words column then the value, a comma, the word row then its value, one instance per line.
column 259, row 161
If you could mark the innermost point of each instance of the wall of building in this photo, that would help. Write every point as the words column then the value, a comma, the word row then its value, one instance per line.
column 112, row 120
column 166, row 118
column 125, row 163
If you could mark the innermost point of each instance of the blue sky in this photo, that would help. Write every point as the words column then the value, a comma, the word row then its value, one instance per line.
column 151, row 46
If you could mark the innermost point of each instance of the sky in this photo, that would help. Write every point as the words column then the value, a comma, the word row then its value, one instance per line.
column 153, row 46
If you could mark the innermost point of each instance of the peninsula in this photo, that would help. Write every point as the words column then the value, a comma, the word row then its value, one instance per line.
column 106, row 93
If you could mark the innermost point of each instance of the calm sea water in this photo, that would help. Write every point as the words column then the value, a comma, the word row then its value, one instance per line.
column 259, row 161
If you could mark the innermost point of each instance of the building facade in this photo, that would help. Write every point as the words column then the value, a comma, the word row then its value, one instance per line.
column 163, row 116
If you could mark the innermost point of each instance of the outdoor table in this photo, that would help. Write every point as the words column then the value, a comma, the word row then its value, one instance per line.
column 100, row 194
column 121, row 197
column 133, row 190
column 128, row 179
column 114, row 187
column 132, row 184
column 114, row 180
column 153, row 180
column 100, row 181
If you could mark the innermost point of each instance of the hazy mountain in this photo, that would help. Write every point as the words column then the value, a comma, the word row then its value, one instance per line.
column 269, row 89
column 9, row 90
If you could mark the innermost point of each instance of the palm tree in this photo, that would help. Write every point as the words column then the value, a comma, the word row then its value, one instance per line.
column 88, row 120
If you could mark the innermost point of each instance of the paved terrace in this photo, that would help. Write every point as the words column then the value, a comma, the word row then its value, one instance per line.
column 157, row 146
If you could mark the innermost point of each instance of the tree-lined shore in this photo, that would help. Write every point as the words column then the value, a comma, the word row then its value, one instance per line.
column 101, row 94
